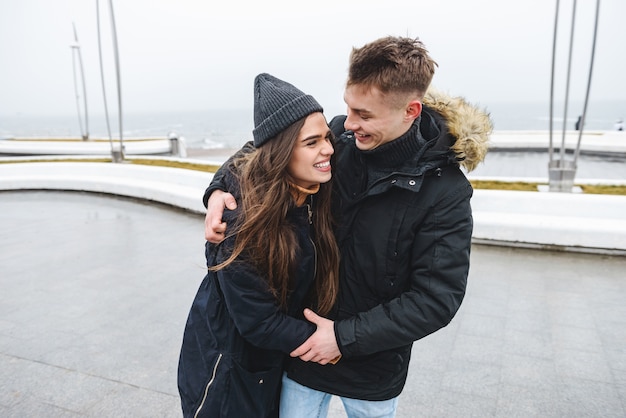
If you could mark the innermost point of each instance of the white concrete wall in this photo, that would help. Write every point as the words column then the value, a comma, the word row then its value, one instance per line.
column 573, row 221
column 173, row 186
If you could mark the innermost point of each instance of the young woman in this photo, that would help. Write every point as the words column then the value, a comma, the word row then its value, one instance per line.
column 278, row 257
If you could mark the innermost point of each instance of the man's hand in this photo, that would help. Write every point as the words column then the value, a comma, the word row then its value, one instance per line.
column 321, row 347
column 214, row 228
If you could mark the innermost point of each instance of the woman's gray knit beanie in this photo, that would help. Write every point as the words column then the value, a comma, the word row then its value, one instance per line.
column 277, row 105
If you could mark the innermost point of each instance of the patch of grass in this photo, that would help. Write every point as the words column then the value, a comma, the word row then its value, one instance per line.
column 603, row 189
column 533, row 187
column 212, row 168
column 504, row 185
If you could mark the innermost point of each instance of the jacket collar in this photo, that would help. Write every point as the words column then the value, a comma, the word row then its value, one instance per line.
column 394, row 153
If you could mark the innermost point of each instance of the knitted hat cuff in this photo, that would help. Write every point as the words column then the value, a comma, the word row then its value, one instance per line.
column 285, row 116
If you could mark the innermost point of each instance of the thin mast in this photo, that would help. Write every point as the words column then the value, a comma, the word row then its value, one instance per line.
column 104, row 91
column 118, row 77
column 76, row 53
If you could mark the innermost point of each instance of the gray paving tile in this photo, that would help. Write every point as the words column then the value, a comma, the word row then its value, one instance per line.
column 535, row 344
column 523, row 401
column 529, row 372
column 450, row 404
column 585, row 398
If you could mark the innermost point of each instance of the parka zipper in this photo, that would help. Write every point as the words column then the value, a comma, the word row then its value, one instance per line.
column 314, row 258
column 208, row 385
column 310, row 239
column 310, row 211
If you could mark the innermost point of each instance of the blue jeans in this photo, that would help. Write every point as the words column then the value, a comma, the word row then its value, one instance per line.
column 297, row 401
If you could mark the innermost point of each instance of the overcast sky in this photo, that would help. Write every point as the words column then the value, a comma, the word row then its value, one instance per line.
column 196, row 55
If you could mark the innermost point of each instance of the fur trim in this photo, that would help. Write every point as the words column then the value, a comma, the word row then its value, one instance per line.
column 467, row 123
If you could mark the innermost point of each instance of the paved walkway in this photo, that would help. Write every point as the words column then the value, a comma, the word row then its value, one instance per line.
column 96, row 289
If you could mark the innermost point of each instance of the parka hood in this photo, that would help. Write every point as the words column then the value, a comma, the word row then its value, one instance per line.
column 470, row 126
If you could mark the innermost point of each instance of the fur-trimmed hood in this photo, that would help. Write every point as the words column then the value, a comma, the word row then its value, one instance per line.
column 467, row 123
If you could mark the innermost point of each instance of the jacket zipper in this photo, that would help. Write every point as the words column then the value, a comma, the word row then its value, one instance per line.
column 310, row 239
column 208, row 385
column 314, row 258
column 310, row 211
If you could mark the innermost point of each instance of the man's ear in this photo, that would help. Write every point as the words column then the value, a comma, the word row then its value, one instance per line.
column 413, row 110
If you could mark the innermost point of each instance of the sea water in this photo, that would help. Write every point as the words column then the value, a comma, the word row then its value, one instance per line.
column 230, row 128
column 201, row 129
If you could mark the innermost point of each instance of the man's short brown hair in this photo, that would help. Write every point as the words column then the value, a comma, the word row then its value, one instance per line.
column 393, row 65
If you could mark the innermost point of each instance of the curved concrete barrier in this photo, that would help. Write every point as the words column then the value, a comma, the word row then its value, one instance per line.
column 565, row 221
column 173, row 186
column 569, row 221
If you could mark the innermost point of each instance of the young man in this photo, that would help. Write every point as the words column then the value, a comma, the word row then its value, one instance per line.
column 404, row 230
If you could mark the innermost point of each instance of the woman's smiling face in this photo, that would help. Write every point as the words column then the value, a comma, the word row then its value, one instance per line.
column 310, row 158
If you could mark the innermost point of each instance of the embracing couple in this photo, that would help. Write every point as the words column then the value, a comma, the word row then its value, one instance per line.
column 331, row 248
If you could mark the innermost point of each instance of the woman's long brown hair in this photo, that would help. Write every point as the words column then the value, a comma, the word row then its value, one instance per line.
column 263, row 234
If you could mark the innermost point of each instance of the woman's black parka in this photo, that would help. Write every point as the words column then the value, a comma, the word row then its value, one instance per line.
column 236, row 336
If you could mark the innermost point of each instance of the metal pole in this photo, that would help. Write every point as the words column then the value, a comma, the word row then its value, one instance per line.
column 118, row 77
column 76, row 94
column 76, row 52
column 82, row 76
column 593, row 52
column 556, row 21
column 569, row 70
column 104, row 92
